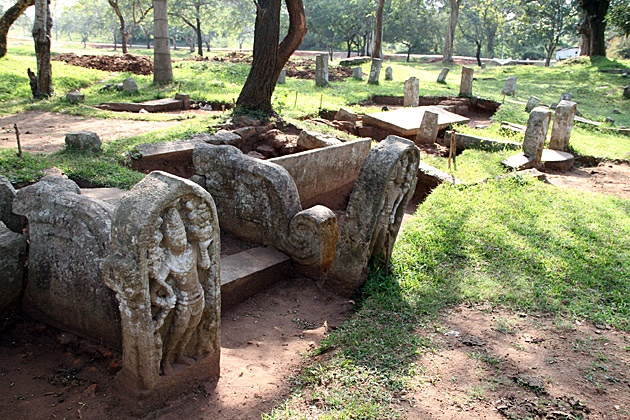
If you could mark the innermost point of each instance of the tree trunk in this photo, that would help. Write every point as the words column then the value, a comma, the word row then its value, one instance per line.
column 595, row 12
column 349, row 49
column 162, row 68
column 7, row 20
column 115, row 40
column 478, row 54
column 199, row 34
column 408, row 53
column 42, row 28
column 269, row 57
column 378, row 37
column 124, row 38
column 447, row 57
column 147, row 36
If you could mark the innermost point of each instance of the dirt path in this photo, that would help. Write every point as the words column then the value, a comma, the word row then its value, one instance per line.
column 497, row 364
column 44, row 132
column 605, row 178
column 262, row 341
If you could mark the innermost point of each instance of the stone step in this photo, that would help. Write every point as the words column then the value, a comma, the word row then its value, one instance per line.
column 518, row 162
column 249, row 272
column 557, row 160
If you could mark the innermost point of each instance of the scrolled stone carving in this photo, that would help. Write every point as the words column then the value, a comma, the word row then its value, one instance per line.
column 164, row 269
column 313, row 237
column 375, row 211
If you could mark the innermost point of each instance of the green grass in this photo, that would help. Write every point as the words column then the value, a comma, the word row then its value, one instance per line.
column 517, row 243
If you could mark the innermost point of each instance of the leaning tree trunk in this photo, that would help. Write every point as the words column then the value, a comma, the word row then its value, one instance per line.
column 199, row 37
column 7, row 20
column 379, row 30
column 478, row 54
column 162, row 68
column 269, row 57
column 42, row 28
column 595, row 12
column 447, row 57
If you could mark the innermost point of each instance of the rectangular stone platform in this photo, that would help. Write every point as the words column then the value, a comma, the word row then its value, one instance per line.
column 157, row 105
column 406, row 121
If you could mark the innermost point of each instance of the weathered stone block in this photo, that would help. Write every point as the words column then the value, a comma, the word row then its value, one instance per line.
column 308, row 140
column 374, row 214
column 13, row 221
column 428, row 131
column 357, row 73
column 442, row 77
column 412, row 92
column 466, row 85
column 75, row 97
column 321, row 70
column 12, row 259
column 344, row 114
column 282, row 78
column 129, row 85
column 536, row 134
column 165, row 270
column 185, row 98
column 85, row 141
column 532, row 103
column 562, row 125
column 389, row 73
column 510, row 86
column 69, row 239
column 220, row 138
column 375, row 71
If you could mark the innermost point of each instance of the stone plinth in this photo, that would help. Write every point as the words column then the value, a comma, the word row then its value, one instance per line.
column 532, row 103
column 357, row 73
column 84, row 141
column 321, row 70
column 389, row 73
column 412, row 92
column 282, row 78
column 466, row 84
column 562, row 125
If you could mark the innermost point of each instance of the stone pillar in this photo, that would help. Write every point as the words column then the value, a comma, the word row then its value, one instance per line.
column 428, row 131
column 389, row 73
column 321, row 70
column 442, row 77
column 357, row 73
column 626, row 92
column 510, row 86
column 536, row 134
column 375, row 71
column 185, row 98
column 412, row 92
column 7, row 195
column 282, row 79
column 562, row 125
column 465, row 87
column 532, row 103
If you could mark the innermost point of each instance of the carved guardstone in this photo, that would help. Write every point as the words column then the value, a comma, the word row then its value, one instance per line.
column 164, row 268
column 374, row 214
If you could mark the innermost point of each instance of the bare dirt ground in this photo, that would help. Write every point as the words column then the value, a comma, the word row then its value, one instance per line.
column 497, row 364
column 45, row 374
column 44, row 132
column 605, row 178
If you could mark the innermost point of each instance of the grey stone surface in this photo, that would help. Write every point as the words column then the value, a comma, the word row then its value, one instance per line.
column 442, row 77
column 389, row 73
column 258, row 200
column 13, row 221
column 344, row 114
column 519, row 162
column 557, row 160
column 129, row 85
column 616, row 111
column 466, row 84
column 375, row 211
column 566, row 96
column 510, row 86
column 321, row 70
column 375, row 71
column 468, row 140
column 308, row 140
column 319, row 173
column 69, row 239
column 12, row 259
column 562, row 125
column 428, row 131
column 185, row 98
column 85, row 141
column 165, row 270
column 357, row 73
column 536, row 134
column 220, row 138
column 412, row 92
column 354, row 61
column 532, row 103
column 282, row 78
column 75, row 97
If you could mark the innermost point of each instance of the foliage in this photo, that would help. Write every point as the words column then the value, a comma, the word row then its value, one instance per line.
column 415, row 24
column 619, row 16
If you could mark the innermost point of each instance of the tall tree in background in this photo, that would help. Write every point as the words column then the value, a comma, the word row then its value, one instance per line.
column 447, row 57
column 378, row 38
column 7, row 20
column 415, row 24
column 192, row 13
column 162, row 68
column 269, row 56
column 136, row 11
column 618, row 16
column 41, row 85
column 547, row 21
column 594, row 26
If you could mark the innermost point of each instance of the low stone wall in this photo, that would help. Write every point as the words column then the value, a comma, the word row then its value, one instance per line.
column 467, row 140
column 326, row 176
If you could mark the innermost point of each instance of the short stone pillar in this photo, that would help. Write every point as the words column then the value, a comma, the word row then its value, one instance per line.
column 129, row 85
column 357, row 73
column 185, row 98
column 75, row 97
column 321, row 70
column 536, row 134
column 562, row 125
column 7, row 195
column 84, row 141
column 164, row 268
column 282, row 78
column 442, row 77
column 412, row 92
column 375, row 71
column 427, row 134
column 466, row 85
column 510, row 86
column 532, row 103
column 389, row 73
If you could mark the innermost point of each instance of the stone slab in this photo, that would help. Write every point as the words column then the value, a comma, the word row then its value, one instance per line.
column 518, row 162
column 174, row 157
column 249, row 272
column 108, row 195
column 468, row 140
column 320, row 174
column 557, row 160
column 157, row 105
column 406, row 121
